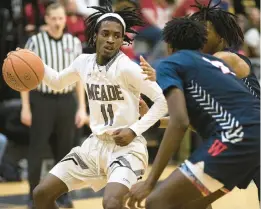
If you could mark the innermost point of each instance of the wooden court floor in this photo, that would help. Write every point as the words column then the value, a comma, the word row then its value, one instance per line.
column 14, row 196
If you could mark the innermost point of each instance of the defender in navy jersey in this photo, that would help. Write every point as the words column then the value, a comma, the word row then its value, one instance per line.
column 224, row 36
column 201, row 88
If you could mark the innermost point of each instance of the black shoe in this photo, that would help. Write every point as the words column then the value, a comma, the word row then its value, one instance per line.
column 65, row 201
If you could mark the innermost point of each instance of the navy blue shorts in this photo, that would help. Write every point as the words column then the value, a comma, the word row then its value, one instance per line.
column 231, row 164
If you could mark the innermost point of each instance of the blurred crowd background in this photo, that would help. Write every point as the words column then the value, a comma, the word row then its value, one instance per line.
column 20, row 19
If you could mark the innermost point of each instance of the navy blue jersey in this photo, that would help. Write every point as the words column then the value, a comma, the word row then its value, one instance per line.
column 213, row 95
column 251, row 80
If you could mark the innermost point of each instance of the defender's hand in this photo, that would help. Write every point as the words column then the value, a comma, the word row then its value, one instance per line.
column 147, row 69
column 137, row 194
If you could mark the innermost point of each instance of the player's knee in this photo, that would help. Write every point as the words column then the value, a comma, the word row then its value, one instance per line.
column 38, row 193
column 112, row 203
column 42, row 195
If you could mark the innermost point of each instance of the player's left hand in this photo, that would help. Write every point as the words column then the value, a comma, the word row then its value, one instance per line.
column 123, row 137
column 137, row 194
column 80, row 117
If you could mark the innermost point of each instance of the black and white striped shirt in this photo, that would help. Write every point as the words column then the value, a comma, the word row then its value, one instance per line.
column 56, row 53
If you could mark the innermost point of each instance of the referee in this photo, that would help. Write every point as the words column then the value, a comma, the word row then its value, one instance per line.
column 49, row 112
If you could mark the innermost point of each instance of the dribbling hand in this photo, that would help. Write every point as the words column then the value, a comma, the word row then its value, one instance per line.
column 123, row 137
column 147, row 69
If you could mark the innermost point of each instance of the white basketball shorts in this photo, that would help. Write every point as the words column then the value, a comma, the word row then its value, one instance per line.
column 100, row 161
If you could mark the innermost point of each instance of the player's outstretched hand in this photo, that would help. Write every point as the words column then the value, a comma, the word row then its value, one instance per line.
column 137, row 194
column 147, row 69
column 123, row 137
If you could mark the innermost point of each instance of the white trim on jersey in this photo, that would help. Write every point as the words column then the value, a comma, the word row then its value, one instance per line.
column 232, row 129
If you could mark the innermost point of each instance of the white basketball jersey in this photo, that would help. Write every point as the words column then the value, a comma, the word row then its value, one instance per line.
column 114, row 92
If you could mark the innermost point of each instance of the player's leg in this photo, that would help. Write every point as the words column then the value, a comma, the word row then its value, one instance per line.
column 42, row 125
column 124, row 171
column 187, row 183
column 46, row 193
column 173, row 193
column 178, row 191
column 207, row 164
column 205, row 202
column 113, row 197
column 71, row 173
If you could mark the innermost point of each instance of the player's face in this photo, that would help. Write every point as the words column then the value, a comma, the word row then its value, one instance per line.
column 214, row 42
column 109, row 39
column 56, row 19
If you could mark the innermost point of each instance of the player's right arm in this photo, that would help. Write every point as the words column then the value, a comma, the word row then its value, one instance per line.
column 238, row 66
column 56, row 81
column 60, row 80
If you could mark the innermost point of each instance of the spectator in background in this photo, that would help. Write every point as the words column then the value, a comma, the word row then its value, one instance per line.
column 34, row 15
column 226, row 5
column 74, row 22
column 241, row 6
column 155, row 16
column 252, row 36
column 243, row 24
column 47, row 111
column 184, row 8
column 81, row 6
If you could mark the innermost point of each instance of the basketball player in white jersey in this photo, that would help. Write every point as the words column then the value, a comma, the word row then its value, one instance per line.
column 115, row 155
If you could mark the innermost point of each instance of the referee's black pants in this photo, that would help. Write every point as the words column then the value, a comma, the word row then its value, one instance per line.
column 51, row 114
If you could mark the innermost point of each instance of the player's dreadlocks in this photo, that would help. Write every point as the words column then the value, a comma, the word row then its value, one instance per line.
column 131, row 17
column 185, row 33
column 224, row 22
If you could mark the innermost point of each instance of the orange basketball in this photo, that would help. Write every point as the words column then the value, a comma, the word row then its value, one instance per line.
column 23, row 70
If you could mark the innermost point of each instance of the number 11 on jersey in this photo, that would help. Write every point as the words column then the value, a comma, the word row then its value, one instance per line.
column 107, row 114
